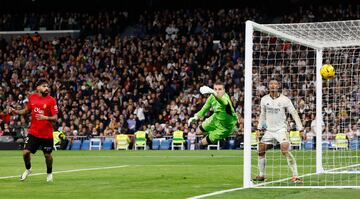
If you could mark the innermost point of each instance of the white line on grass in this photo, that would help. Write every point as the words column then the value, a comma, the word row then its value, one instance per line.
column 150, row 156
column 261, row 185
column 186, row 165
column 311, row 187
column 217, row 193
column 70, row 171
column 340, row 168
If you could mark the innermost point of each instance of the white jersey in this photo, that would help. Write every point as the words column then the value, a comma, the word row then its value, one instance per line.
column 273, row 117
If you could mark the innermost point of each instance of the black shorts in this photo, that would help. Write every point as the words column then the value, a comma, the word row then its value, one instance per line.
column 33, row 143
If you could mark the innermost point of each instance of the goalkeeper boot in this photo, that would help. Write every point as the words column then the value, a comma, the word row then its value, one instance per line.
column 296, row 180
column 25, row 174
column 259, row 178
column 49, row 177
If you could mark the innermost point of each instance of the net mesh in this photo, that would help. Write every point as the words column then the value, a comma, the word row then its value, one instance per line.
column 294, row 65
column 341, row 103
column 325, row 34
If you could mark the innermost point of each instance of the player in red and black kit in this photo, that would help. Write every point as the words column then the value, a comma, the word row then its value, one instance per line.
column 43, row 110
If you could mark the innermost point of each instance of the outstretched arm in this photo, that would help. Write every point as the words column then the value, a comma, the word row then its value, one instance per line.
column 208, row 90
column 19, row 112
column 202, row 111
column 205, row 108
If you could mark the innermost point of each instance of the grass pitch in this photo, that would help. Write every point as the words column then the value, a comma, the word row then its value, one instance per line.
column 139, row 174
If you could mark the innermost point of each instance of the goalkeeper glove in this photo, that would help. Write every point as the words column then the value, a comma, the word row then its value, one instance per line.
column 206, row 90
column 192, row 119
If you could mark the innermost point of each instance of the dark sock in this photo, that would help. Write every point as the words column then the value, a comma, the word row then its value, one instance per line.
column 27, row 165
column 27, row 162
column 49, row 162
column 49, row 170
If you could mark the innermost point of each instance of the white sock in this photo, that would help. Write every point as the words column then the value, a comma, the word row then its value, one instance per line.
column 261, row 165
column 292, row 163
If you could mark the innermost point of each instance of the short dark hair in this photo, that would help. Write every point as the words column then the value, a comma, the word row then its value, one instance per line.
column 273, row 79
column 41, row 81
column 218, row 82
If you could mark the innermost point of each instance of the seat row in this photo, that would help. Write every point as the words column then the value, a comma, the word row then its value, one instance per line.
column 156, row 144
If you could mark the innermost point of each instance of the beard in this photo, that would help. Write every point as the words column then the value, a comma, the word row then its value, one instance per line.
column 44, row 93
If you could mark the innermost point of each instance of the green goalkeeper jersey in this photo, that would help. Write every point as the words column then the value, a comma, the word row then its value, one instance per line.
column 223, row 109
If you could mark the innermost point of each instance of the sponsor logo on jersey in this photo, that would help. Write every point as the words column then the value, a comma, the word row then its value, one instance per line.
column 38, row 110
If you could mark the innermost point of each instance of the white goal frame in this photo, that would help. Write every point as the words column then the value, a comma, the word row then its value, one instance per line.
column 318, row 46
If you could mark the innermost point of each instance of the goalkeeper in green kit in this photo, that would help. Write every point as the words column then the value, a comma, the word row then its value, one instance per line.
column 222, row 122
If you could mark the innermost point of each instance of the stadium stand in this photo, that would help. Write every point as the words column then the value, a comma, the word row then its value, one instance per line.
column 105, row 82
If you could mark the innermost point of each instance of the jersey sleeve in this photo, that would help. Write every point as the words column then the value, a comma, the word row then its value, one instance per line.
column 261, row 122
column 206, row 107
column 54, row 109
column 294, row 115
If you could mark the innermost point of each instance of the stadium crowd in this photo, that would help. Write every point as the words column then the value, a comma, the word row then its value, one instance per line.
column 107, row 22
column 106, row 83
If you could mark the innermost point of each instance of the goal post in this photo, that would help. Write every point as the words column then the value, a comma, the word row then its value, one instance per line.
column 249, row 30
column 294, row 53
column 319, row 119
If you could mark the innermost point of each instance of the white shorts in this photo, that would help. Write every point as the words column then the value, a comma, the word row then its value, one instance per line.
column 281, row 136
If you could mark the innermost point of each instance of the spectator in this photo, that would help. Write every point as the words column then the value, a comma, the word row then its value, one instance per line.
column 312, row 133
column 154, row 76
column 131, row 122
column 351, row 132
column 191, row 136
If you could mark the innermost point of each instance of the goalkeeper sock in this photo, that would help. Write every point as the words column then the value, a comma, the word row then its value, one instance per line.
column 261, row 165
column 292, row 163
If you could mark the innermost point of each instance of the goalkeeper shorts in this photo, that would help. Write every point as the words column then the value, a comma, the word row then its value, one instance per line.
column 216, row 130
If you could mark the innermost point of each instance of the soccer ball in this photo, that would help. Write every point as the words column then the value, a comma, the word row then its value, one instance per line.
column 327, row 71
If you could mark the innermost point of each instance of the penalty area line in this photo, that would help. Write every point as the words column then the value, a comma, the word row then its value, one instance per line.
column 217, row 193
column 69, row 171
column 261, row 185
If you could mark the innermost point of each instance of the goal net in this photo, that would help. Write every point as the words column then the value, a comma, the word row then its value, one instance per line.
column 328, row 154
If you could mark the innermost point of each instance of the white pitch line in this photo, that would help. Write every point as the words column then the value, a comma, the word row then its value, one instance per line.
column 217, row 193
column 147, row 156
column 70, row 171
column 340, row 168
column 311, row 187
column 261, row 185
column 186, row 165
column 151, row 156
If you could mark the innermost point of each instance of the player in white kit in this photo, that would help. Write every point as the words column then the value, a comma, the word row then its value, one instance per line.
column 273, row 124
